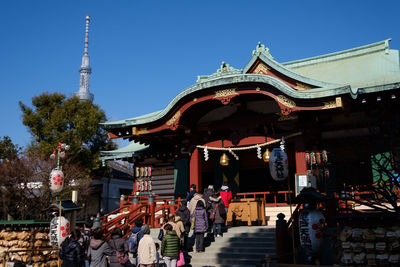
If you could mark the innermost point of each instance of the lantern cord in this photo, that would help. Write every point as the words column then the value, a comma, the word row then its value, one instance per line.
column 59, row 233
column 249, row 147
column 291, row 216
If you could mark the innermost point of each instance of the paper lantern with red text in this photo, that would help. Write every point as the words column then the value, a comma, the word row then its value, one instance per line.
column 59, row 230
column 311, row 230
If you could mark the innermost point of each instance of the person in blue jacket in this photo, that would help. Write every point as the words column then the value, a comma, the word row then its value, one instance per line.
column 191, row 193
column 132, row 248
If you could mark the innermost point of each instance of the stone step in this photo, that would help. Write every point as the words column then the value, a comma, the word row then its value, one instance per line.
column 237, row 249
column 250, row 234
column 244, row 244
column 251, row 229
column 219, row 265
column 272, row 264
column 240, row 246
column 228, row 258
column 250, row 239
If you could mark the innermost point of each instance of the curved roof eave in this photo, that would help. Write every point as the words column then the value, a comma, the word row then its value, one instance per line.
column 124, row 152
column 235, row 79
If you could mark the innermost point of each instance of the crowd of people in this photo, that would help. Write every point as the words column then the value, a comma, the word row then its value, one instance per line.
column 202, row 213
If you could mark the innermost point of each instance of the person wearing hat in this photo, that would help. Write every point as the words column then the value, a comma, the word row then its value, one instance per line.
column 97, row 222
column 147, row 248
column 226, row 196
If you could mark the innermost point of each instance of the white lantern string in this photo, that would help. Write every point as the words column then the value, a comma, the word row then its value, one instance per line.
column 282, row 144
column 206, row 157
column 259, row 152
column 233, row 154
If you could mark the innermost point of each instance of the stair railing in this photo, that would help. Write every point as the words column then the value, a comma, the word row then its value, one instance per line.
column 124, row 220
column 153, row 213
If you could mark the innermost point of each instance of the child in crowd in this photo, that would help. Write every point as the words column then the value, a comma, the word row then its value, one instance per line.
column 158, row 264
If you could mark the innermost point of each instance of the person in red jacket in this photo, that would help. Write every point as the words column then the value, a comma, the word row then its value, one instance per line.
column 226, row 196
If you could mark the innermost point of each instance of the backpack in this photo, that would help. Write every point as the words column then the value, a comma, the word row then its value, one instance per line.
column 85, row 240
column 122, row 257
column 133, row 242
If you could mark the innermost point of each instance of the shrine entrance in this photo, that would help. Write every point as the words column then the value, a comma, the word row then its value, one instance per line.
column 247, row 173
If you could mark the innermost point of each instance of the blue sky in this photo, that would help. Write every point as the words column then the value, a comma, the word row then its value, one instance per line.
column 143, row 53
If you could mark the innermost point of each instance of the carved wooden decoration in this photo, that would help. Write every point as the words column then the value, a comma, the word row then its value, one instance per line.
column 225, row 95
column 174, row 121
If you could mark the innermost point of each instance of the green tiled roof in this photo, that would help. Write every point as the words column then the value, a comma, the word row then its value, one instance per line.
column 124, row 152
column 360, row 70
column 365, row 66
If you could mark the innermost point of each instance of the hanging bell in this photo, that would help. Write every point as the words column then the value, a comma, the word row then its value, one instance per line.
column 224, row 160
column 266, row 155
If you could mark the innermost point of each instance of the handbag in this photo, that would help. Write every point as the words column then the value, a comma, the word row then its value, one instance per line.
column 212, row 214
column 161, row 234
column 181, row 259
column 192, row 223
column 122, row 257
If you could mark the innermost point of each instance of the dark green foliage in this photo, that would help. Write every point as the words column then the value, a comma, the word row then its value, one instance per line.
column 55, row 118
column 8, row 150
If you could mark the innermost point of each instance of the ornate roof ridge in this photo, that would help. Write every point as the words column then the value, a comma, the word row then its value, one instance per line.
column 262, row 53
column 224, row 70
column 352, row 52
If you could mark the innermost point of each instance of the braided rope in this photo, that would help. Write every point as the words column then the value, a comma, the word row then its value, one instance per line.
column 249, row 147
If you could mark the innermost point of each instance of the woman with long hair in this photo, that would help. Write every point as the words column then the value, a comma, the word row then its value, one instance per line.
column 200, row 225
column 71, row 251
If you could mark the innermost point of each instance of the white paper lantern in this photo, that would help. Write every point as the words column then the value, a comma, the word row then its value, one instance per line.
column 56, row 180
column 59, row 230
column 278, row 164
column 311, row 230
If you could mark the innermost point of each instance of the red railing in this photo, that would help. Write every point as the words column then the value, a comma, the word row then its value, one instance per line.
column 153, row 213
column 124, row 220
column 164, row 211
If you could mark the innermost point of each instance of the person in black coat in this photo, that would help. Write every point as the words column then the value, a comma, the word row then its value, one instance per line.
column 71, row 251
column 184, row 213
column 208, row 192
column 191, row 193
column 218, row 214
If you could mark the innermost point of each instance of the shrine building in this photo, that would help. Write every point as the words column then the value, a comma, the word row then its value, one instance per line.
column 335, row 113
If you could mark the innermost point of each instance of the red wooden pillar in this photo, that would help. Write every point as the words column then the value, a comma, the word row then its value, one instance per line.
column 301, row 165
column 134, row 187
column 195, row 170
